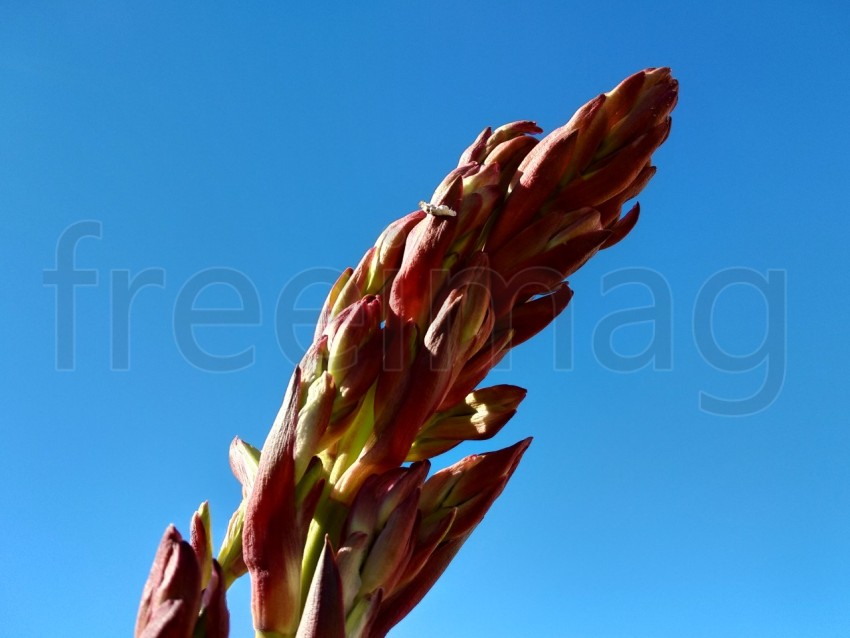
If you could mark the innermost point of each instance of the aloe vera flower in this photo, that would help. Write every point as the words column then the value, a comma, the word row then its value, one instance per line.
column 340, row 528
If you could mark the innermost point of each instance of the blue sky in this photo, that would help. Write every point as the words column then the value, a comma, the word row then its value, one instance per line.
column 275, row 143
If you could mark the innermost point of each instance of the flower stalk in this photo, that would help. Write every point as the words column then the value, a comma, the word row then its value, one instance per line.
column 340, row 528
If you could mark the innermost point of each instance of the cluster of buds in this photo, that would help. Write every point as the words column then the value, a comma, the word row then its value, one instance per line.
column 340, row 528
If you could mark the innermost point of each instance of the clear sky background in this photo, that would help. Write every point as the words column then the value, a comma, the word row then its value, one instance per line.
column 276, row 143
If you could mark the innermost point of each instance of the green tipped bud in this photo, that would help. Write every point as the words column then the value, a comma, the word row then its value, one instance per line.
column 230, row 554
column 480, row 416
column 334, row 303
column 354, row 351
column 244, row 461
column 201, row 539
column 313, row 420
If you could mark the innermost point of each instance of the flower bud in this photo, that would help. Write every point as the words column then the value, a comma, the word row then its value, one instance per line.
column 350, row 558
column 623, row 226
column 389, row 250
column 471, row 485
column 530, row 317
column 330, row 308
column 354, row 351
column 324, row 614
column 391, row 550
column 610, row 175
column 201, row 540
column 272, row 546
column 172, row 594
column 362, row 617
column 508, row 156
column 230, row 554
column 244, row 461
column 476, row 151
column 461, row 493
column 480, row 416
column 638, row 103
column 477, row 368
column 214, row 621
column 313, row 420
column 536, row 178
column 421, row 273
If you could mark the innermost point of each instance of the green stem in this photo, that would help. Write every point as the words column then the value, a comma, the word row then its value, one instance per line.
column 330, row 514
column 327, row 520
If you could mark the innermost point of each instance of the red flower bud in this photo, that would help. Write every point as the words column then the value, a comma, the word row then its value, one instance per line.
column 172, row 595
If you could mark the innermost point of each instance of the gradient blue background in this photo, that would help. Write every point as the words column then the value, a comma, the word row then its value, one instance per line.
column 273, row 139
